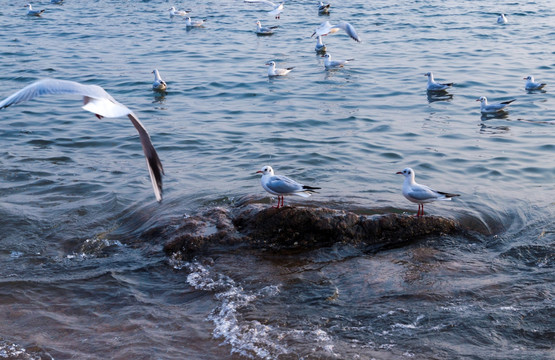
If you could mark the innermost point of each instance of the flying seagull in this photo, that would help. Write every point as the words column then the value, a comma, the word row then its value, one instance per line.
column 102, row 104
column 276, row 8
column 326, row 28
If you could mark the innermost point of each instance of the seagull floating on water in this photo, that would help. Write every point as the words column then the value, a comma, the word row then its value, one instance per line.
column 320, row 46
column 421, row 194
column 326, row 28
column 191, row 24
column 32, row 12
column 158, row 84
column 102, row 104
column 175, row 12
column 277, row 8
column 260, row 30
column 486, row 108
column 531, row 84
column 502, row 19
column 272, row 71
column 435, row 86
column 281, row 185
column 323, row 9
column 331, row 64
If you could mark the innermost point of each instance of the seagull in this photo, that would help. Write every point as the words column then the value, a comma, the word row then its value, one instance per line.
column 272, row 71
column 264, row 30
column 532, row 85
column 327, row 28
column 281, row 185
column 158, row 84
column 191, row 24
column 277, row 8
column 486, row 108
column 102, row 104
column 323, row 9
column 32, row 12
column 502, row 19
column 435, row 86
column 175, row 12
column 320, row 46
column 420, row 194
column 330, row 64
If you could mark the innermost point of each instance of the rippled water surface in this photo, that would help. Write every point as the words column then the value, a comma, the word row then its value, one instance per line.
column 80, row 280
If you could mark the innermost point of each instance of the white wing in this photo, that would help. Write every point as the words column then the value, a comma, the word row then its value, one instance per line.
column 349, row 29
column 262, row 2
column 99, row 102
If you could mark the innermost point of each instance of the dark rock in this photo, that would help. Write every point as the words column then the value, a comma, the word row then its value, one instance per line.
column 297, row 228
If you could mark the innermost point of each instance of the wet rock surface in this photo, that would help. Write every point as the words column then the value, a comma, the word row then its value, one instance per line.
column 296, row 228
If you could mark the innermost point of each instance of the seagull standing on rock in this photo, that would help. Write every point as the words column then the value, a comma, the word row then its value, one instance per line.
column 281, row 185
column 420, row 194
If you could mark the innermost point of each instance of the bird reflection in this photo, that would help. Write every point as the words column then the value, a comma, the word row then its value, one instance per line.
column 442, row 95
column 159, row 97
column 497, row 115
column 487, row 129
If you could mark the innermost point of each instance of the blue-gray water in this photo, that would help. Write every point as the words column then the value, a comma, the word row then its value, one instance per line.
column 78, row 281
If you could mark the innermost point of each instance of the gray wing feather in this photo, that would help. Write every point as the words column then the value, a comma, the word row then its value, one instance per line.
column 153, row 162
column 284, row 185
column 350, row 30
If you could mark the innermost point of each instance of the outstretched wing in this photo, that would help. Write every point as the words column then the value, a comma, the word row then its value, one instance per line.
column 350, row 30
column 99, row 102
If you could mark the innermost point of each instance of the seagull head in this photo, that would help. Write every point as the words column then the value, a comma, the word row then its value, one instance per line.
column 428, row 74
column 172, row 8
column 529, row 78
column 482, row 99
column 258, row 23
column 266, row 170
column 408, row 173
column 271, row 63
column 28, row 6
column 327, row 56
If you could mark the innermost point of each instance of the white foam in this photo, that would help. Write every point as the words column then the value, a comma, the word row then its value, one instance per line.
column 251, row 339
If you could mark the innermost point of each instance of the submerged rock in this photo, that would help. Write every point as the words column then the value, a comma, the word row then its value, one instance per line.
column 297, row 228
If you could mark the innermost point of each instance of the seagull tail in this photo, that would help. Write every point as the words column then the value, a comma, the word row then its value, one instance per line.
column 310, row 189
column 448, row 195
column 508, row 102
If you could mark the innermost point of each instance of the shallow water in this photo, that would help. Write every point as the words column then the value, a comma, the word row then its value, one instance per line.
column 81, row 280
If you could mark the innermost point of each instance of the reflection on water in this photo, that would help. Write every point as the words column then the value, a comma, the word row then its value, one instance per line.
column 434, row 96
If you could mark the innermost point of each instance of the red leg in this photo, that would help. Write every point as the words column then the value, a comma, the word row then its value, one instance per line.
column 422, row 210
